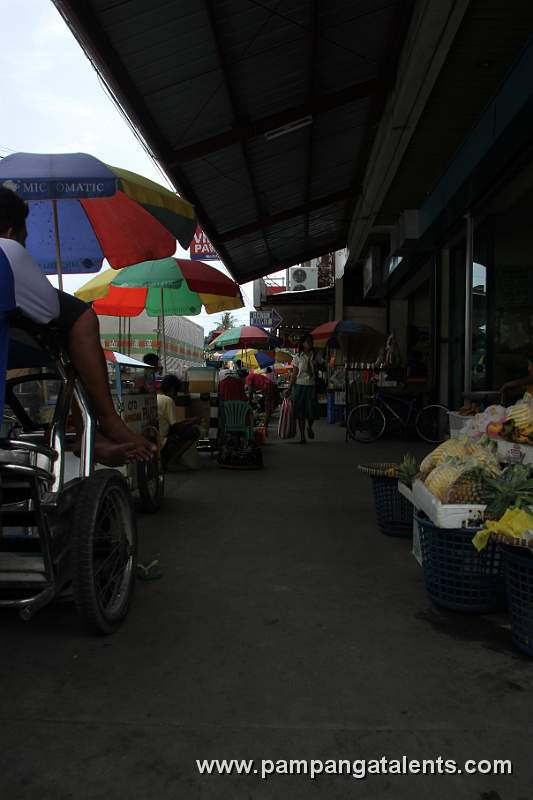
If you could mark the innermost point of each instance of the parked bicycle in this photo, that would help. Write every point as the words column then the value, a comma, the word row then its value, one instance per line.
column 368, row 421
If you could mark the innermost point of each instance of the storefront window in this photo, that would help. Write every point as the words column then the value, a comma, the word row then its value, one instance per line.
column 479, row 327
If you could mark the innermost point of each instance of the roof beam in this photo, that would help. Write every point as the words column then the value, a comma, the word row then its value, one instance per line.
column 319, row 104
column 288, row 213
column 234, row 109
column 313, row 58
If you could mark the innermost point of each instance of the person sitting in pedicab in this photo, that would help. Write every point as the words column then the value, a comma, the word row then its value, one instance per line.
column 24, row 290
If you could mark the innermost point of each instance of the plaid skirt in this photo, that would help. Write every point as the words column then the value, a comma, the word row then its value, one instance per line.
column 305, row 402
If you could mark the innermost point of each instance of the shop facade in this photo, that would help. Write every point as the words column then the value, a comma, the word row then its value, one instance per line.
column 458, row 283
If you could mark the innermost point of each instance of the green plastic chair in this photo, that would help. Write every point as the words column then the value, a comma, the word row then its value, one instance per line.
column 238, row 418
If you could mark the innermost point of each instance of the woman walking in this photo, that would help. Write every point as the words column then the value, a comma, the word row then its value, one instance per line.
column 303, row 386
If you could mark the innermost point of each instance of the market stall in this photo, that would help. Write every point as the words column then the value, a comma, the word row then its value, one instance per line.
column 472, row 498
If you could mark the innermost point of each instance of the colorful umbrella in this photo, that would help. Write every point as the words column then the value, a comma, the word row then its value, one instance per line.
column 168, row 286
column 121, row 302
column 328, row 333
column 243, row 336
column 251, row 359
column 82, row 211
column 199, row 283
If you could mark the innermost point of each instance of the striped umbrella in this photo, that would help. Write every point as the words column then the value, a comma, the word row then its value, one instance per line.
column 181, row 285
column 82, row 211
column 251, row 359
column 242, row 336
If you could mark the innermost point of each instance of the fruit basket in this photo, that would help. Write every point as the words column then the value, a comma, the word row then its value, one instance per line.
column 393, row 512
column 518, row 564
column 457, row 576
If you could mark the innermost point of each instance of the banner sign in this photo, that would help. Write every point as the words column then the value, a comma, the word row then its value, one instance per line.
column 201, row 247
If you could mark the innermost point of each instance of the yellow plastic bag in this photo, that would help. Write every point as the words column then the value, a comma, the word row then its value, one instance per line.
column 514, row 523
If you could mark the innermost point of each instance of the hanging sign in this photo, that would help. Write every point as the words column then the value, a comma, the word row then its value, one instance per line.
column 201, row 248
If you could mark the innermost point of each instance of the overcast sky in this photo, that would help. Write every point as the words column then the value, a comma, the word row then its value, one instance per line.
column 53, row 102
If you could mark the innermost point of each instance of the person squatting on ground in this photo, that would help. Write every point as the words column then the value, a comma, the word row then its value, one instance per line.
column 26, row 291
column 177, row 436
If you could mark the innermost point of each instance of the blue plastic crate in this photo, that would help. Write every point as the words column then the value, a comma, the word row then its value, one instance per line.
column 457, row 576
column 518, row 563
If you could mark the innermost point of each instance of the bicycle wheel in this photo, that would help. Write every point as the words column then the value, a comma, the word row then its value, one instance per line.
column 433, row 424
column 104, row 551
column 366, row 423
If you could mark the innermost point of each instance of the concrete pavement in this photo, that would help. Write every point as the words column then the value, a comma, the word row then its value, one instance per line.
column 285, row 627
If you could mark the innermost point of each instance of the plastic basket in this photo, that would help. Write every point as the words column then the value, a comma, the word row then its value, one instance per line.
column 394, row 513
column 519, row 583
column 457, row 576
column 457, row 423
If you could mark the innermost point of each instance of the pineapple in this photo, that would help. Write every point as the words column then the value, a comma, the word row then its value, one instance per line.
column 514, row 487
column 440, row 479
column 470, row 488
column 408, row 470
column 451, row 448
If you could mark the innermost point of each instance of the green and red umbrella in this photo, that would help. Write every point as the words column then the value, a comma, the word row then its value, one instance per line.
column 167, row 287
column 243, row 336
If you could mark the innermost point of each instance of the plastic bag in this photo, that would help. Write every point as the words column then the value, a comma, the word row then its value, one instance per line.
column 287, row 420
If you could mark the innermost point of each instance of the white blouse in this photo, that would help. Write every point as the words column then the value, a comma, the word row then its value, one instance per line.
column 306, row 365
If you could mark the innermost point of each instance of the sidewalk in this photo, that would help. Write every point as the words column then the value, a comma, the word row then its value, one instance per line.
column 285, row 627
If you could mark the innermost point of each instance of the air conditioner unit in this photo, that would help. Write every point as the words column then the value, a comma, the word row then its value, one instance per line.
column 303, row 277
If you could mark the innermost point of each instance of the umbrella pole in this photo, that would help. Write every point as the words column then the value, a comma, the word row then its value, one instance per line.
column 163, row 334
column 59, row 265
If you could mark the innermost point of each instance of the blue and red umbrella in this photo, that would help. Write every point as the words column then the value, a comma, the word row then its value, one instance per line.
column 82, row 211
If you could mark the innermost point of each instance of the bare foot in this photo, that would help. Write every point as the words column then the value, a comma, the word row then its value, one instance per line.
column 119, row 433
column 107, row 452
column 112, row 455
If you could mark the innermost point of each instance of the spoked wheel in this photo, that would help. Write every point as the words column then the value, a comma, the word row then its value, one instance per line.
column 150, row 477
column 366, row 423
column 433, row 424
column 104, row 551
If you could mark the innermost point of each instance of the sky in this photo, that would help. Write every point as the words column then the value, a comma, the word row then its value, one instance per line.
column 52, row 101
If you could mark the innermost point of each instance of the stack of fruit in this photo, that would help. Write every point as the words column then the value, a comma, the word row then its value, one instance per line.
column 457, row 472
column 516, row 425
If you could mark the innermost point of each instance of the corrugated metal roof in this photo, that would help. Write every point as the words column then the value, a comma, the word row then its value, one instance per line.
column 203, row 81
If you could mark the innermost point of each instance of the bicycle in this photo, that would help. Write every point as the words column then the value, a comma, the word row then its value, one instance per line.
column 368, row 421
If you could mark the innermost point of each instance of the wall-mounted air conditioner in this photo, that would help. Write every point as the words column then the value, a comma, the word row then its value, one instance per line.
column 303, row 277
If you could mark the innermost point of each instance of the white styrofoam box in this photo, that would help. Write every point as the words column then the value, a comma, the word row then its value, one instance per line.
column 443, row 515
column 405, row 491
column 511, row 453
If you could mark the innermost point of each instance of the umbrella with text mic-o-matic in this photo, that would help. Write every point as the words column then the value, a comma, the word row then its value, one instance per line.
column 82, row 211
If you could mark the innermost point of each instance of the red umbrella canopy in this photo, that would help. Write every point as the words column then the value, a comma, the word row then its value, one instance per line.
column 203, row 278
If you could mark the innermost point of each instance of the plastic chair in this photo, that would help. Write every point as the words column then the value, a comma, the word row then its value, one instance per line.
column 238, row 418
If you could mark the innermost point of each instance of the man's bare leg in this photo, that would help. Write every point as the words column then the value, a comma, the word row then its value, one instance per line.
column 89, row 362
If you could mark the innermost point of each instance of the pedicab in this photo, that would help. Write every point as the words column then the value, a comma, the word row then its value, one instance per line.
column 68, row 526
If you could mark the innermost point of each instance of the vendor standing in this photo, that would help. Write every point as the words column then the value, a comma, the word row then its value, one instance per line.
column 513, row 390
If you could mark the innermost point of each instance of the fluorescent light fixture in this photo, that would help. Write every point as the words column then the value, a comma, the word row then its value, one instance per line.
column 290, row 127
